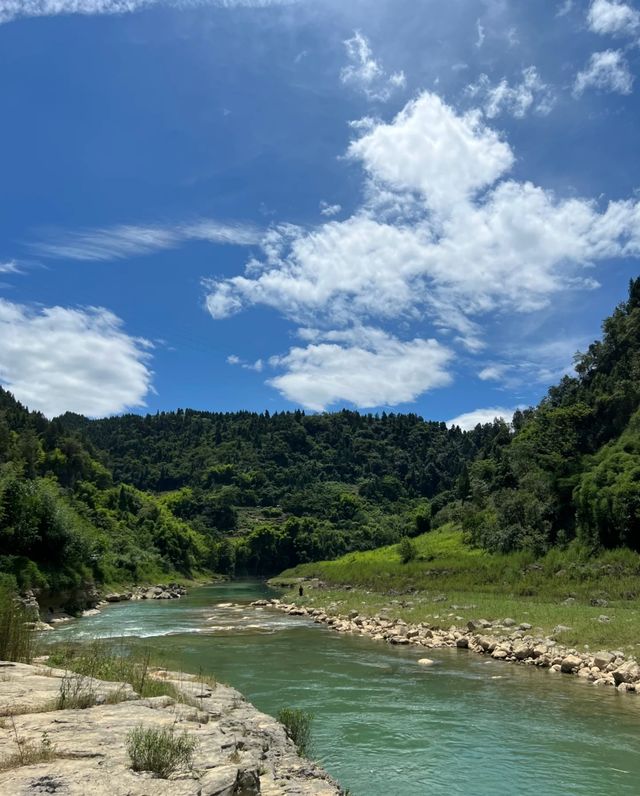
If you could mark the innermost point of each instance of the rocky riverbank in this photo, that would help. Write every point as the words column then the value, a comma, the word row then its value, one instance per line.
column 503, row 640
column 44, row 611
column 74, row 752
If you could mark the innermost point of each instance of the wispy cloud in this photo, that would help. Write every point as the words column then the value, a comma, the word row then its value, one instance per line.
column 132, row 240
column 13, row 9
column 9, row 267
column 366, row 74
column 606, row 71
column 530, row 94
column 329, row 210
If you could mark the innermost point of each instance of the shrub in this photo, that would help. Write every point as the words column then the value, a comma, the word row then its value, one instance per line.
column 407, row 549
column 298, row 726
column 160, row 751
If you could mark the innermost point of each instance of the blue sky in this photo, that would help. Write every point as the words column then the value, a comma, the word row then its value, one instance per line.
column 244, row 204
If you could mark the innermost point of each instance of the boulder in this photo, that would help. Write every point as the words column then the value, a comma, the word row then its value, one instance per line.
column 603, row 659
column 629, row 672
column 570, row 664
column 425, row 662
column 522, row 651
column 462, row 643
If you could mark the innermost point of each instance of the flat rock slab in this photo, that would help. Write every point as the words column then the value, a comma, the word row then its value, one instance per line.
column 234, row 742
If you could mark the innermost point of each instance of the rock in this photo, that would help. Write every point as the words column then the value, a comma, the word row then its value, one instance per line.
column 398, row 640
column 426, row 662
column 93, row 759
column 114, row 597
column 522, row 651
column 90, row 612
column 508, row 622
column 352, row 614
column 629, row 672
column 604, row 619
column 462, row 642
column 561, row 629
column 414, row 633
column 603, row 659
column 524, row 626
column 569, row 601
column 499, row 654
column 570, row 664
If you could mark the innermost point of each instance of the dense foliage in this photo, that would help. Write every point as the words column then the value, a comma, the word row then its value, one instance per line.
column 63, row 519
column 572, row 467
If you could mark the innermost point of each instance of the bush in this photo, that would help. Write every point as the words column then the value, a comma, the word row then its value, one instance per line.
column 160, row 751
column 298, row 726
column 407, row 549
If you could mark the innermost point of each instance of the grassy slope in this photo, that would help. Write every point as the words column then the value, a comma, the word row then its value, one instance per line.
column 454, row 582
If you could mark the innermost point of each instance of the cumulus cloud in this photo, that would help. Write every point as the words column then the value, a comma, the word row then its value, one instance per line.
column 134, row 240
column 469, row 420
column 530, row 94
column 613, row 17
column 430, row 149
column 57, row 359
column 12, row 9
column 444, row 238
column 258, row 365
column 606, row 71
column 365, row 367
column 366, row 74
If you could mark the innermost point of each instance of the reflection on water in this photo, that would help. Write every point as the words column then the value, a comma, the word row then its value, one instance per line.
column 384, row 722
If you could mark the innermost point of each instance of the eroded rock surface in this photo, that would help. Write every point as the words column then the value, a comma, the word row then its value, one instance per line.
column 240, row 751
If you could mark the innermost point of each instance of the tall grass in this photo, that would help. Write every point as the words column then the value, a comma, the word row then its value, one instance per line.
column 17, row 642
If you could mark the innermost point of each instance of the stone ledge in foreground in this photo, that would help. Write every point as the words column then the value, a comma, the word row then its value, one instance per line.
column 241, row 752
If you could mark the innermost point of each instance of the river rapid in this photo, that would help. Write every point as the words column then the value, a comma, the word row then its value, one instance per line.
column 383, row 723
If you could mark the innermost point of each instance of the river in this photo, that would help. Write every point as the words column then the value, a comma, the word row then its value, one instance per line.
column 384, row 724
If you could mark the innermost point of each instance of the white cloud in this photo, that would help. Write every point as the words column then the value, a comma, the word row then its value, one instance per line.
column 9, row 267
column 492, row 373
column 613, row 17
column 258, row 365
column 365, row 367
column 469, row 420
column 481, row 34
column 12, row 9
column 57, row 359
column 329, row 210
column 443, row 238
column 366, row 74
column 430, row 149
column 131, row 240
column 606, row 71
column 530, row 94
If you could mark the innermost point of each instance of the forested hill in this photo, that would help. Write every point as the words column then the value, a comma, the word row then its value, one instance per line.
column 572, row 468
column 125, row 497
column 65, row 521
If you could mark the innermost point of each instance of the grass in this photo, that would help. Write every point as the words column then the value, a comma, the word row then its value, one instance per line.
column 104, row 660
column 161, row 751
column 449, row 582
column 28, row 753
column 17, row 642
column 298, row 726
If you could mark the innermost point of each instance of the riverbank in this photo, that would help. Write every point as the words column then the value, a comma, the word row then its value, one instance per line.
column 79, row 750
column 503, row 640
column 45, row 611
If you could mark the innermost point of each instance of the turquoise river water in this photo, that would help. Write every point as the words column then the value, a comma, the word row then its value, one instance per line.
column 383, row 723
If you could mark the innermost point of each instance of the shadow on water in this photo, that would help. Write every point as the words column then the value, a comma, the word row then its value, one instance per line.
column 383, row 721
